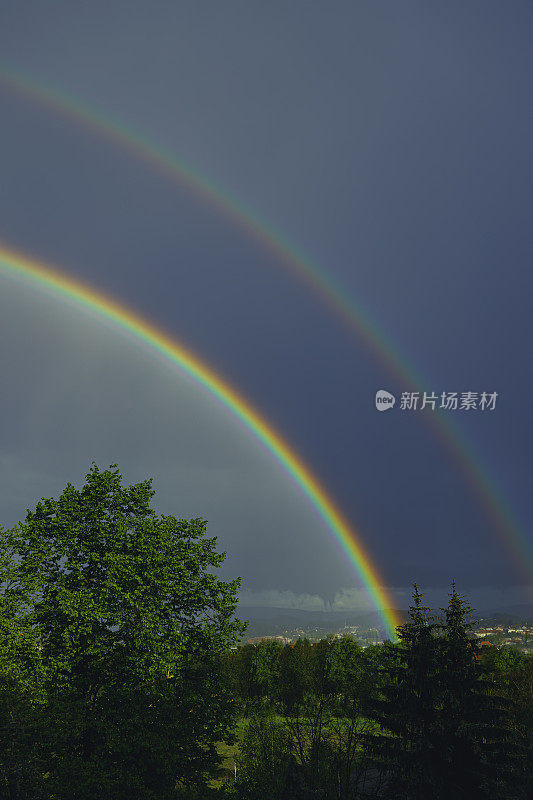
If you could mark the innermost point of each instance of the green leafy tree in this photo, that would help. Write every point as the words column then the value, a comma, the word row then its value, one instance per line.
column 127, row 621
column 21, row 687
column 252, row 672
column 353, row 679
column 265, row 758
column 293, row 675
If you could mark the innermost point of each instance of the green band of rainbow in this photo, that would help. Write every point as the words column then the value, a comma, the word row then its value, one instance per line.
column 477, row 475
column 37, row 274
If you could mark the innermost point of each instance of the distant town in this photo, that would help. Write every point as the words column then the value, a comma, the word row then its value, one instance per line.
column 519, row 635
column 490, row 632
column 364, row 636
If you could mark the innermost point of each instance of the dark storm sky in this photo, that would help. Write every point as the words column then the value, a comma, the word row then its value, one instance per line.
column 391, row 142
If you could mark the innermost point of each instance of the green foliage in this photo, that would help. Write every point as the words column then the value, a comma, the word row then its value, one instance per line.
column 429, row 717
column 508, row 678
column 447, row 736
column 253, row 672
column 294, row 674
column 265, row 762
column 112, row 626
column 117, row 679
column 314, row 711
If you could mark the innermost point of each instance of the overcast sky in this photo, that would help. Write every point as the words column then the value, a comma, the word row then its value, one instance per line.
column 392, row 143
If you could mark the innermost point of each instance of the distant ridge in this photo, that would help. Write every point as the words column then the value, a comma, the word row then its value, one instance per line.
column 517, row 613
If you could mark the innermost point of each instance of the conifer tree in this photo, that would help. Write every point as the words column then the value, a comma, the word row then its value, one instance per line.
column 446, row 735
column 406, row 710
column 479, row 736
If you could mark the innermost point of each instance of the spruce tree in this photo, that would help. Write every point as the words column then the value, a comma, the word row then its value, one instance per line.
column 445, row 735
column 484, row 756
column 406, row 708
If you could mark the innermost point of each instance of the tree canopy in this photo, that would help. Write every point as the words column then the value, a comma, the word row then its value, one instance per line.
column 112, row 621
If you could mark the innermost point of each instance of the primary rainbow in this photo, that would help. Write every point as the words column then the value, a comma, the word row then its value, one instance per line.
column 483, row 485
column 60, row 285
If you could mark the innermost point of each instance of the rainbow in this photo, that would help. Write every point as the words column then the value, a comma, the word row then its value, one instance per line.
column 28, row 271
column 478, row 477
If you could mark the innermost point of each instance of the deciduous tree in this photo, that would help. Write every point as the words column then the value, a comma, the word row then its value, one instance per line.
column 127, row 621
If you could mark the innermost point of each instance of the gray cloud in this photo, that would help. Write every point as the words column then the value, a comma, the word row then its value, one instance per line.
column 516, row 599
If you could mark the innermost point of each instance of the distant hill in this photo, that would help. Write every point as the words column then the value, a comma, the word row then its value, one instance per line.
column 517, row 613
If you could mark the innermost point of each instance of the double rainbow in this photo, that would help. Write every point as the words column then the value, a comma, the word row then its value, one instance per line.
column 484, row 487
column 495, row 506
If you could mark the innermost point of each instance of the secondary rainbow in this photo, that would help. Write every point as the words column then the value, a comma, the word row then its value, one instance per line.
column 483, row 485
column 60, row 285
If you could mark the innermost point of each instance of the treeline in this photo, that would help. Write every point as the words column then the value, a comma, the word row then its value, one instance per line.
column 120, row 678
column 433, row 716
